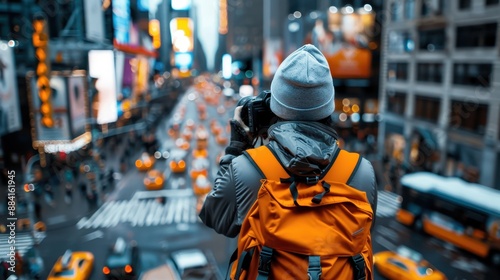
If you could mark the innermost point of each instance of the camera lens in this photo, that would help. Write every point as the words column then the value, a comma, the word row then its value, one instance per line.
column 243, row 101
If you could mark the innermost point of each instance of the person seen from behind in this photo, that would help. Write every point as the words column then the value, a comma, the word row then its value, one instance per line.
column 289, row 235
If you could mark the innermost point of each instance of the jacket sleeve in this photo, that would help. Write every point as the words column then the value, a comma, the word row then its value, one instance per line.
column 364, row 179
column 219, row 209
column 235, row 190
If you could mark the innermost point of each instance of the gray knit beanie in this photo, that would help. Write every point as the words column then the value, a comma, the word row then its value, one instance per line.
column 302, row 88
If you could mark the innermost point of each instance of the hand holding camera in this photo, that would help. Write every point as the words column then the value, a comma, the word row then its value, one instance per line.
column 252, row 117
column 256, row 113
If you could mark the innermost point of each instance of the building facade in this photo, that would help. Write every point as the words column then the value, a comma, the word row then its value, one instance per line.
column 439, row 87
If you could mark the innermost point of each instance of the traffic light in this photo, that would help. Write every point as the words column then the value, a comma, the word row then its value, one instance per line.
column 40, row 40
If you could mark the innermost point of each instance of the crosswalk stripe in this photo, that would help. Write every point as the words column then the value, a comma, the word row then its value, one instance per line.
column 23, row 242
column 139, row 213
column 387, row 204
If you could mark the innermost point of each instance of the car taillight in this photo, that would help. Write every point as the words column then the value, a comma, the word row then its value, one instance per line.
column 128, row 268
column 105, row 270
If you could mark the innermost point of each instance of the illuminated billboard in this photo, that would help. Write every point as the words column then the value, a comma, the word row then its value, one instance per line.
column 69, row 103
column 272, row 58
column 181, row 30
column 102, row 68
column 345, row 38
column 132, row 72
column 131, row 29
column 77, row 93
column 181, row 5
column 183, row 61
column 10, row 114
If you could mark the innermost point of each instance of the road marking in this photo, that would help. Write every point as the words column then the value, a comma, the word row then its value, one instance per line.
column 56, row 220
column 93, row 235
column 163, row 193
column 142, row 212
column 23, row 242
column 387, row 204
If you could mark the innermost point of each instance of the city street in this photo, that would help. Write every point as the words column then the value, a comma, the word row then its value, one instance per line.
column 114, row 117
column 132, row 212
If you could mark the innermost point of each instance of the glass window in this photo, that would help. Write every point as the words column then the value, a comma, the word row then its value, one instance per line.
column 427, row 108
column 482, row 35
column 432, row 8
column 396, row 102
column 464, row 4
column 478, row 74
column 469, row 115
column 430, row 72
column 397, row 71
column 432, row 39
column 65, row 273
column 492, row 2
column 398, row 264
column 396, row 10
column 400, row 41
column 410, row 9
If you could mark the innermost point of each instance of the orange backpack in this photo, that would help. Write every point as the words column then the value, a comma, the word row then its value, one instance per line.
column 305, row 228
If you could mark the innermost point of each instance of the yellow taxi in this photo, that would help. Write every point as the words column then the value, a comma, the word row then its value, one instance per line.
column 72, row 265
column 145, row 162
column 199, row 166
column 154, row 180
column 190, row 124
column 202, row 141
column 405, row 263
column 182, row 143
column 200, row 153
column 201, row 185
column 174, row 129
column 215, row 127
column 178, row 161
column 187, row 134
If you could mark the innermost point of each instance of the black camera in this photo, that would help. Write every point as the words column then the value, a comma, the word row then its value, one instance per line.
column 256, row 112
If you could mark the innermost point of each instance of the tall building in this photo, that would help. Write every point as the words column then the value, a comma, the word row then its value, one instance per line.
column 439, row 85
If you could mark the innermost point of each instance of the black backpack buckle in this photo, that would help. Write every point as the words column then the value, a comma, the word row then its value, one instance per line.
column 265, row 261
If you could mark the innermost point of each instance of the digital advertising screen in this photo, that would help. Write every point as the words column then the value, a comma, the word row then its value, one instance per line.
column 59, row 101
column 102, row 69
column 344, row 37
column 132, row 72
column 77, row 92
column 130, row 27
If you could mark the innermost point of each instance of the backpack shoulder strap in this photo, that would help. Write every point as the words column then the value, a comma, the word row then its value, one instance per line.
column 265, row 160
column 344, row 167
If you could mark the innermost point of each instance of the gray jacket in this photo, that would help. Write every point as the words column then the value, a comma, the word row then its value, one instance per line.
column 303, row 148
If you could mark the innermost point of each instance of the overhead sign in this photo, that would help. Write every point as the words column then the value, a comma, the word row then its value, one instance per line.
column 10, row 115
